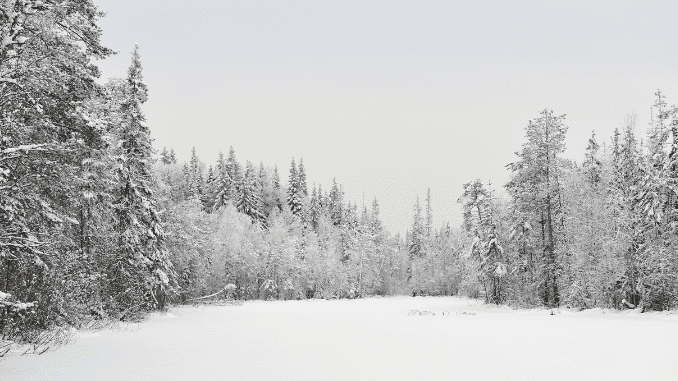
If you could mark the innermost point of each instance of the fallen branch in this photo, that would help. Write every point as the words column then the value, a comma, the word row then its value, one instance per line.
column 205, row 297
column 627, row 304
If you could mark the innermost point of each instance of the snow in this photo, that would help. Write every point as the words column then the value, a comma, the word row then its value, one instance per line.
column 372, row 339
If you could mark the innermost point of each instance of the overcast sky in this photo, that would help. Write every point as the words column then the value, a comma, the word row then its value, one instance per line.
column 390, row 97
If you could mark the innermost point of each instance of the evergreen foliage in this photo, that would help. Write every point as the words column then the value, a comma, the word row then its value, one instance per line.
column 140, row 273
column 536, row 188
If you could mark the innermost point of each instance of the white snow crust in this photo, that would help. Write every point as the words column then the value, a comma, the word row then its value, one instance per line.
column 371, row 339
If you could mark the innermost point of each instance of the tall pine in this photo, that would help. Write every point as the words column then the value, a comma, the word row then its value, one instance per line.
column 535, row 188
column 141, row 273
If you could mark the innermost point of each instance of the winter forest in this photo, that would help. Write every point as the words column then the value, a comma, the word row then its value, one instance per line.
column 98, row 225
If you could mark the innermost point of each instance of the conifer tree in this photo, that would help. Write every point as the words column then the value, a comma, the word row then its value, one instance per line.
column 195, row 177
column 535, row 188
column 249, row 201
column 303, row 187
column 321, row 197
column 47, row 77
column 165, row 156
column 234, row 172
column 416, row 246
column 277, row 189
column 429, row 214
column 209, row 193
column 476, row 209
column 655, row 261
column 336, row 201
column 210, row 175
column 376, row 221
column 186, row 181
column 592, row 164
column 294, row 192
column 267, row 193
column 223, row 184
column 314, row 209
column 142, row 271
column 658, row 132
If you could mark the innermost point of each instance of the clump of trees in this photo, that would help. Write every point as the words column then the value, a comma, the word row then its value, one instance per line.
column 80, row 233
column 242, row 225
column 599, row 234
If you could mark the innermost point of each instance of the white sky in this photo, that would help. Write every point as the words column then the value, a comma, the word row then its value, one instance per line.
column 390, row 97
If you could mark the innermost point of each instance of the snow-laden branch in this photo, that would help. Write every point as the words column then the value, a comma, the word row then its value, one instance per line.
column 10, row 80
column 24, row 148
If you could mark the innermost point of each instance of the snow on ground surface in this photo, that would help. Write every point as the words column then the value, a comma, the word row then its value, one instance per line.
column 371, row 339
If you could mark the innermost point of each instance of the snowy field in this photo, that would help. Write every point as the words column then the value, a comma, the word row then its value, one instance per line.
column 371, row 339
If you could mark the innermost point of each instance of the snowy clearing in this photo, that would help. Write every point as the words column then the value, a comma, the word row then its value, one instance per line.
column 372, row 339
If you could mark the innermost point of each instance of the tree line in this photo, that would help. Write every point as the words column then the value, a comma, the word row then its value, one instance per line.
column 597, row 234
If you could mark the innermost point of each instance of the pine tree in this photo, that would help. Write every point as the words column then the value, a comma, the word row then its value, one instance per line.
column 186, row 181
column 47, row 132
column 303, row 188
column 165, row 156
column 209, row 193
column 476, row 209
column 321, row 198
column 416, row 247
column 223, row 184
column 535, row 188
column 249, row 201
column 196, row 177
column 314, row 209
column 658, row 132
column 234, row 172
column 267, row 193
column 336, row 204
column 277, row 189
column 376, row 221
column 428, row 228
column 655, row 261
column 592, row 164
column 143, row 262
column 294, row 192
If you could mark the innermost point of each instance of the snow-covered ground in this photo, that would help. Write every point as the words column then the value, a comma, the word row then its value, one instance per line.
column 372, row 339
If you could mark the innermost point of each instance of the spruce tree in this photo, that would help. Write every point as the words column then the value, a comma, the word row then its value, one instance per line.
column 196, row 178
column 294, row 192
column 314, row 209
column 165, row 156
column 249, row 201
column 376, row 221
column 209, row 194
column 234, row 172
column 336, row 204
column 223, row 184
column 429, row 214
column 416, row 246
column 142, row 271
column 592, row 164
column 303, row 187
column 186, row 181
column 656, row 261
